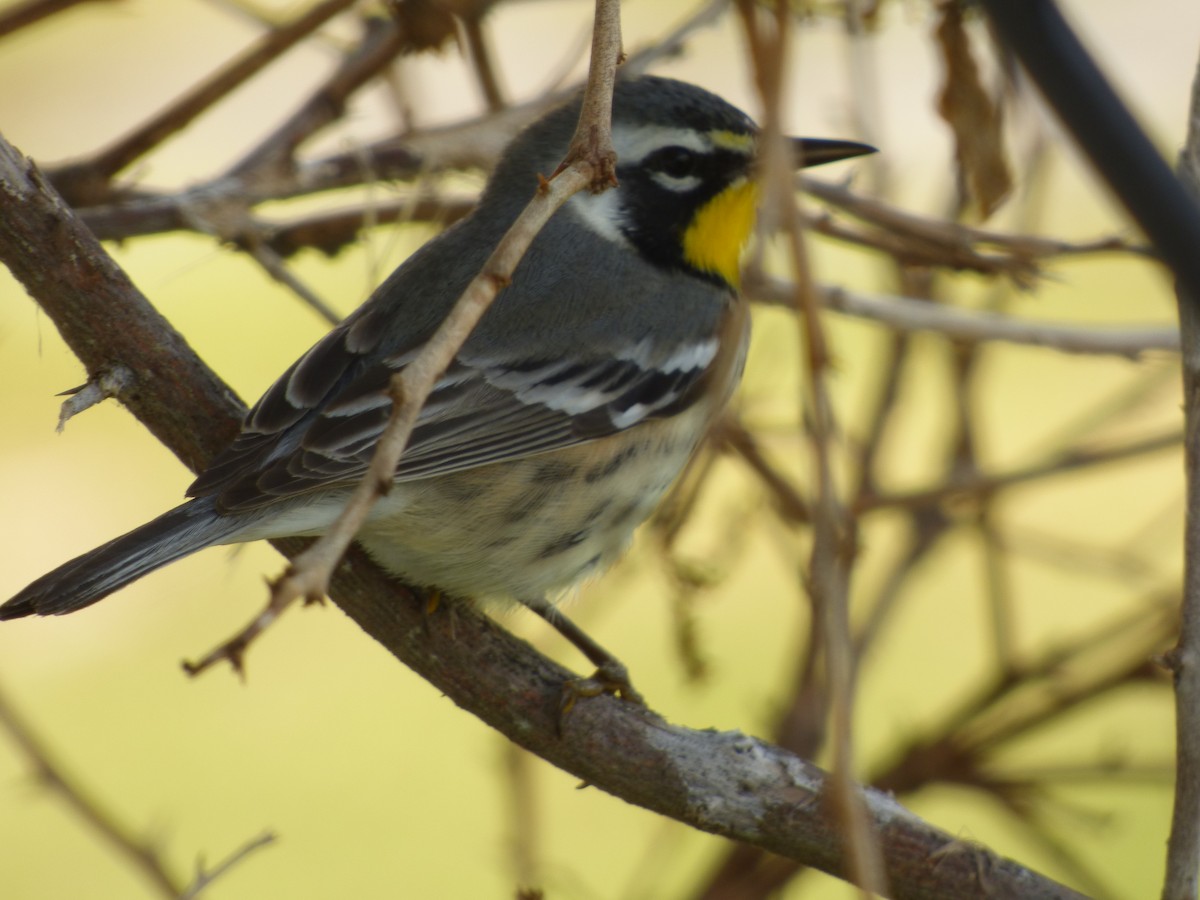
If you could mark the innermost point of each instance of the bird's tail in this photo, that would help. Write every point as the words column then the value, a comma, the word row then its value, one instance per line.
column 97, row 573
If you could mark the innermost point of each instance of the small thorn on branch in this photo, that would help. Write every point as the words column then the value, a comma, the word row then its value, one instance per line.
column 1174, row 660
column 110, row 383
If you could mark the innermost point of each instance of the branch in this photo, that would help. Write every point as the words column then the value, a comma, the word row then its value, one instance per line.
column 90, row 178
column 1183, row 846
column 265, row 173
column 31, row 11
column 949, row 234
column 834, row 532
column 590, row 162
column 60, row 263
column 205, row 877
column 142, row 854
column 910, row 314
column 1082, row 98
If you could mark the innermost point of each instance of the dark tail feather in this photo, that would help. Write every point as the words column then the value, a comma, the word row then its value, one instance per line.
column 96, row 574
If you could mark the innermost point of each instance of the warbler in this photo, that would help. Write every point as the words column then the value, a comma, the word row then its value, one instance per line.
column 565, row 416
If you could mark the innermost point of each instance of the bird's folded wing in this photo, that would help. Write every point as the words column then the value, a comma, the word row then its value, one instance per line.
column 317, row 427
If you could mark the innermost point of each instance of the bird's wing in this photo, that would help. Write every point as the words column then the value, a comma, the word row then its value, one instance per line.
column 317, row 427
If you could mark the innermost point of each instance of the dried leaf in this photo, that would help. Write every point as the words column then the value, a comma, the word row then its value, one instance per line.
column 972, row 115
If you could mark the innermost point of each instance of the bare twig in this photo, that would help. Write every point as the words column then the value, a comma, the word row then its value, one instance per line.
column 205, row 877
column 476, row 142
column 524, row 832
column 672, row 43
column 828, row 570
column 31, row 11
column 190, row 398
column 910, row 314
column 590, row 163
column 729, row 432
column 979, row 484
column 90, row 178
column 481, row 60
column 274, row 156
column 274, row 266
column 1183, row 847
column 51, row 774
column 949, row 237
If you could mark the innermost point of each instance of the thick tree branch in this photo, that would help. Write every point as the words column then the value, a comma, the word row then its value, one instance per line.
column 60, row 263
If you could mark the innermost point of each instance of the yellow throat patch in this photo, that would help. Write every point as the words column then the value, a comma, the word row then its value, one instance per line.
column 714, row 240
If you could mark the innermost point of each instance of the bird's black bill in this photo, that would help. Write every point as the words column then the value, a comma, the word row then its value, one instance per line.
column 811, row 152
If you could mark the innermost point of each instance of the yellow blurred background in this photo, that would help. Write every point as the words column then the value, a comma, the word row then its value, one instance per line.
column 375, row 784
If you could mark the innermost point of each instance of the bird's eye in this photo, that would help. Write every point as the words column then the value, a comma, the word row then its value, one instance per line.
column 674, row 162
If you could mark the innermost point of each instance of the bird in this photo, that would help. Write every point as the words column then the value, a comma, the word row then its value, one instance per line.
column 564, row 417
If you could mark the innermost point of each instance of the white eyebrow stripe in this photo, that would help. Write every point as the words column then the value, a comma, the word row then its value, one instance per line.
column 634, row 144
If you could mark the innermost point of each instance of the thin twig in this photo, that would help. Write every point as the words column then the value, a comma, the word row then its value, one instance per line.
column 205, row 877
column 524, row 822
column 51, row 774
column 978, row 484
column 481, row 60
column 274, row 155
column 1183, row 847
column 90, row 177
column 828, row 571
column 31, row 11
column 590, row 163
column 910, row 314
column 950, row 237
column 729, row 432
column 274, row 266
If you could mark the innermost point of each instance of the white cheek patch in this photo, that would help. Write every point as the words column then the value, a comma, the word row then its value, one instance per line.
column 602, row 213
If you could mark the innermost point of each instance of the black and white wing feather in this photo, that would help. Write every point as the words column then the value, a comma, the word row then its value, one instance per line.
column 316, row 428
